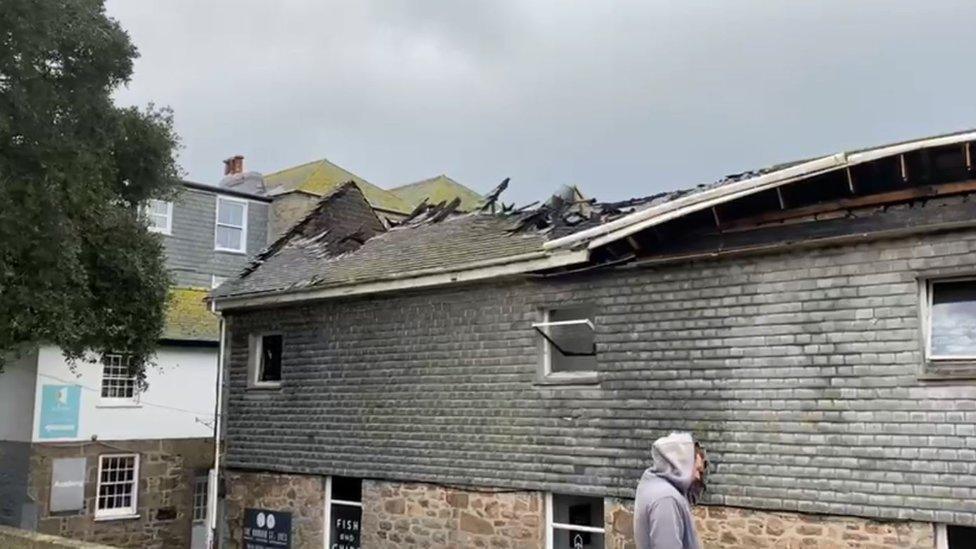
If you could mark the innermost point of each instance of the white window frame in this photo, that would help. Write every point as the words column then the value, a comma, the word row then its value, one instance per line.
column 550, row 525
column 120, row 512
column 242, row 227
column 117, row 402
column 254, row 360
column 197, row 480
column 588, row 376
column 328, row 511
column 926, row 295
column 214, row 281
column 168, row 229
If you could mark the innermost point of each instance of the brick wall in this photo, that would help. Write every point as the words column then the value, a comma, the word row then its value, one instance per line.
column 416, row 516
column 301, row 495
column 797, row 369
column 165, row 500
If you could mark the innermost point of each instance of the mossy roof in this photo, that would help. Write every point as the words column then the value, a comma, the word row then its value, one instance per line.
column 321, row 177
column 188, row 317
column 438, row 189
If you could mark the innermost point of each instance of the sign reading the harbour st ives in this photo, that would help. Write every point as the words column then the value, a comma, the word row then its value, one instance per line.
column 265, row 529
column 59, row 411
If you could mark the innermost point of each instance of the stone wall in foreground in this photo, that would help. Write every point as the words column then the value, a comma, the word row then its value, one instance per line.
column 411, row 515
column 735, row 528
column 301, row 495
column 414, row 515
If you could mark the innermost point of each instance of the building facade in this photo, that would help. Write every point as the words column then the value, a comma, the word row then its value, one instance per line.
column 487, row 380
column 88, row 454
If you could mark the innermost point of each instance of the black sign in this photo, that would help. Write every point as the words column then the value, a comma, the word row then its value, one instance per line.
column 346, row 521
column 265, row 529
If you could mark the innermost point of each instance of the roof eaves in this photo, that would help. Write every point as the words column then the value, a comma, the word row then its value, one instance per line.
column 494, row 268
column 655, row 215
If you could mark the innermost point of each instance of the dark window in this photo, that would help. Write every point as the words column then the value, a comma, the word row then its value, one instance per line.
column 347, row 489
column 569, row 339
column 270, row 370
column 577, row 522
column 961, row 537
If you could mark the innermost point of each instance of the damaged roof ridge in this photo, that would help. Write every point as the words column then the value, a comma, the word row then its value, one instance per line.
column 720, row 193
column 283, row 240
column 404, row 280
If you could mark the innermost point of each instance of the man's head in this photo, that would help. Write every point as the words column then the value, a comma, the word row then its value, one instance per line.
column 701, row 463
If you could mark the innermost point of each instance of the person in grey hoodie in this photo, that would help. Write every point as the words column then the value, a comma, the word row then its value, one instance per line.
column 662, row 514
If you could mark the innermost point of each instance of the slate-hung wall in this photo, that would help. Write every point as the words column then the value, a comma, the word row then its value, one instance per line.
column 190, row 246
column 798, row 370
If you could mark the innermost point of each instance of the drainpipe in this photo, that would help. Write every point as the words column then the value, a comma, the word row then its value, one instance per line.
column 212, row 538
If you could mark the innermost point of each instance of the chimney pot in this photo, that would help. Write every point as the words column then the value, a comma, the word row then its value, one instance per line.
column 234, row 165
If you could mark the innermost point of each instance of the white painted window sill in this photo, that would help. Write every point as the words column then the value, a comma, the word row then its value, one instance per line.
column 115, row 517
column 570, row 378
column 121, row 404
column 227, row 251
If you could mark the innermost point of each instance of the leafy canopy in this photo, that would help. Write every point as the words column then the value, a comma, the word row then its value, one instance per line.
column 78, row 267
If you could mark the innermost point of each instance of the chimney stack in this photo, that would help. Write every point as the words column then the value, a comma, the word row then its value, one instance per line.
column 234, row 165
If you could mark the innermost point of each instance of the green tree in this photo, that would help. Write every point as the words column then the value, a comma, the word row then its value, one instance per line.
column 78, row 267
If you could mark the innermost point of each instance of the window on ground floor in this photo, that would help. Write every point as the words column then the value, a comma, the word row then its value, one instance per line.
column 201, row 485
column 574, row 522
column 118, row 485
column 343, row 511
column 949, row 536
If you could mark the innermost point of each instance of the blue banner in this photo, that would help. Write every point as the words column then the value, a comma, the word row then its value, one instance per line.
column 59, row 411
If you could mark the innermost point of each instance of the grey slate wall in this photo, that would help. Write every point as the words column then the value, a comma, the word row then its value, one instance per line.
column 798, row 370
column 190, row 249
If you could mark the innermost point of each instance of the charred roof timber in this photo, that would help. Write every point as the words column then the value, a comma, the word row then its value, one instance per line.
column 807, row 202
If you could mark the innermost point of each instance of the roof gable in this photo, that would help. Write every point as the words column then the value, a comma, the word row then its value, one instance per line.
column 438, row 189
column 321, row 177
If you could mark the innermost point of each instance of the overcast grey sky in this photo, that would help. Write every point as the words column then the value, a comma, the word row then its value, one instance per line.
column 621, row 98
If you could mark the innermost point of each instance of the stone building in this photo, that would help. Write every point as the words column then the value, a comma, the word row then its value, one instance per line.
column 496, row 379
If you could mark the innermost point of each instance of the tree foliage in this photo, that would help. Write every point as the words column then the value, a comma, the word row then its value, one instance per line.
column 78, row 267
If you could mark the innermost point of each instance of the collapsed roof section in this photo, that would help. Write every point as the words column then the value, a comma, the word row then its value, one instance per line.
column 326, row 256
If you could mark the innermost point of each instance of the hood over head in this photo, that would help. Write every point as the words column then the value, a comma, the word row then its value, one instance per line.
column 674, row 460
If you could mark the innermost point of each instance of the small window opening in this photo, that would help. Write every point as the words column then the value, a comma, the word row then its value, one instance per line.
column 265, row 359
column 568, row 339
column 575, row 522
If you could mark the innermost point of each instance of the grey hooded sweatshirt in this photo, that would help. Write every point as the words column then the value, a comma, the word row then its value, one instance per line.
column 662, row 515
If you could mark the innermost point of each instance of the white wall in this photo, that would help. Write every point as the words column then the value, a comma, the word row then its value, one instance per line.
column 17, row 398
column 178, row 403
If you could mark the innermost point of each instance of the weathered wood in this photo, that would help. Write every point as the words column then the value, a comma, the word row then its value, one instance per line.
column 879, row 199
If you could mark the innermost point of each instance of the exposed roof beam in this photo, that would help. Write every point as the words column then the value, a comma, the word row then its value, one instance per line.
column 655, row 215
column 902, row 195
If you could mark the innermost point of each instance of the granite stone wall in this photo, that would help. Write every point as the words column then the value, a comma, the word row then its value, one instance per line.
column 415, row 515
column 735, row 528
column 301, row 495
column 167, row 469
